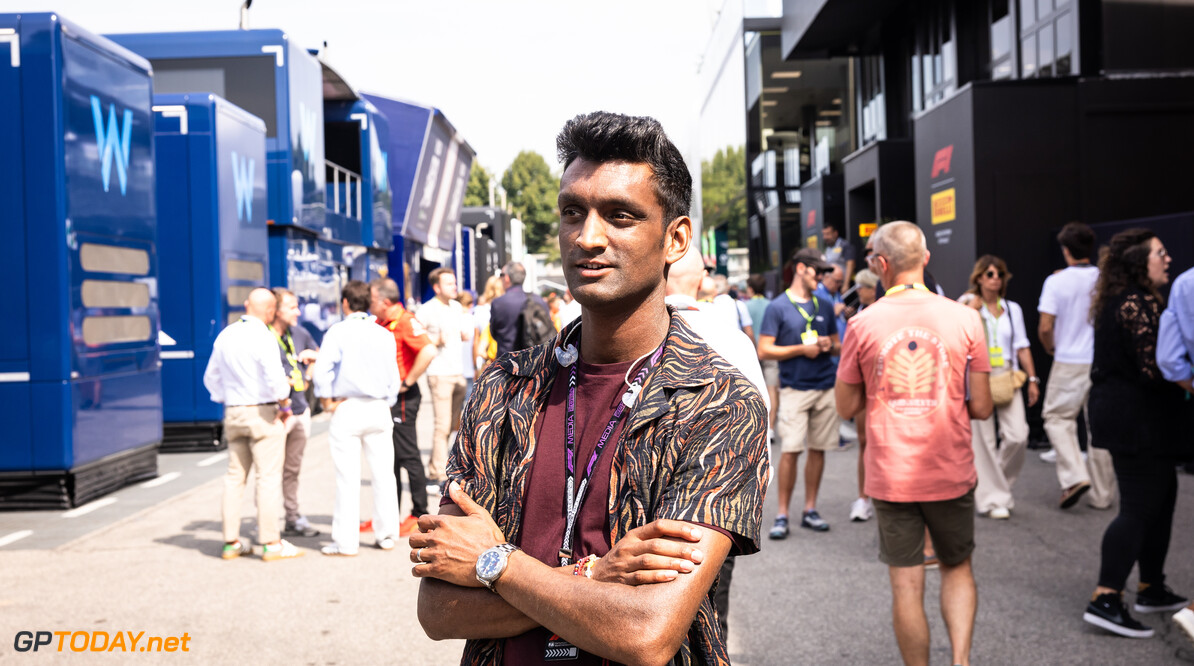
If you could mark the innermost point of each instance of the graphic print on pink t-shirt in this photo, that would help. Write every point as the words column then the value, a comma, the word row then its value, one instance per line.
column 911, row 367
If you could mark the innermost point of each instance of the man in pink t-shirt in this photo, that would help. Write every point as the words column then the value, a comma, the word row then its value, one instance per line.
column 918, row 364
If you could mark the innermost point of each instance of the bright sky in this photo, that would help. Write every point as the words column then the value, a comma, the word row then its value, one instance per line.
column 507, row 73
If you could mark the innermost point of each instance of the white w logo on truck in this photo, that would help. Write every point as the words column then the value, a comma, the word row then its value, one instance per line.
column 113, row 142
column 308, row 132
column 242, row 183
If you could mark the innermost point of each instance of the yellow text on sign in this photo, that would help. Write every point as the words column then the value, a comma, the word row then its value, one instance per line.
column 944, row 206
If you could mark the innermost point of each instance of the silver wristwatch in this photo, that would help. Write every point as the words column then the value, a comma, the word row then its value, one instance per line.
column 492, row 564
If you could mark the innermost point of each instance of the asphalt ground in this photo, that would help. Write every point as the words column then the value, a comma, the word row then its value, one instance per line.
column 151, row 562
column 824, row 598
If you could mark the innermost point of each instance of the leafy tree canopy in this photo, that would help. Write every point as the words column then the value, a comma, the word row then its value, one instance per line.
column 531, row 191
column 723, row 193
column 477, row 193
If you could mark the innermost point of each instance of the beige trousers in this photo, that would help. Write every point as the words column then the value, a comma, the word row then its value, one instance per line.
column 447, row 399
column 1065, row 395
column 255, row 437
column 298, row 429
column 999, row 467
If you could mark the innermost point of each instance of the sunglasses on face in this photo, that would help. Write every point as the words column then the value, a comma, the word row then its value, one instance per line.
column 994, row 274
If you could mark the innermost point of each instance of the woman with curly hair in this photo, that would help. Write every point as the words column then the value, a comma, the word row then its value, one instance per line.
column 999, row 457
column 1139, row 418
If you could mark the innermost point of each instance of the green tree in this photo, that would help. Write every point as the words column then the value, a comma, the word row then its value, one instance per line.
column 477, row 193
column 723, row 193
column 531, row 191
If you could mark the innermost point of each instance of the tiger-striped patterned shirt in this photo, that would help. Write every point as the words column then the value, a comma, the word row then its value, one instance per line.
column 694, row 448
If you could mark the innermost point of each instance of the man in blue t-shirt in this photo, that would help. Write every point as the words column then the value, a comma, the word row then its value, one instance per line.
column 799, row 331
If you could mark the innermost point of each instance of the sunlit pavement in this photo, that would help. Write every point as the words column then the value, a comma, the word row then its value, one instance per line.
column 150, row 561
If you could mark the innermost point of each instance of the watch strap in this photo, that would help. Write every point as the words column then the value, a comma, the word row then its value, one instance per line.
column 506, row 549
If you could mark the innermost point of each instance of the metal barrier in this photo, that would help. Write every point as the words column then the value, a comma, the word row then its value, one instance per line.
column 336, row 175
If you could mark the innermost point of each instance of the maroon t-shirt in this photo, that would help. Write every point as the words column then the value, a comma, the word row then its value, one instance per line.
column 599, row 392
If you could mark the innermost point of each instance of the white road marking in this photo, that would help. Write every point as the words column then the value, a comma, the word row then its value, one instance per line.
column 15, row 536
column 161, row 480
column 211, row 460
column 89, row 507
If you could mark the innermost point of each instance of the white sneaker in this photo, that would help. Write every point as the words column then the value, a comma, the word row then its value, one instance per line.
column 861, row 510
column 386, row 543
column 1184, row 619
column 848, row 431
column 1049, row 456
column 335, row 551
column 283, row 550
column 999, row 513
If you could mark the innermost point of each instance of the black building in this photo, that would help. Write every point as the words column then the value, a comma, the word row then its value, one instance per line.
column 991, row 123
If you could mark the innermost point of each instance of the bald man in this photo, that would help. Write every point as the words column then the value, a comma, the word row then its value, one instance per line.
column 685, row 280
column 245, row 375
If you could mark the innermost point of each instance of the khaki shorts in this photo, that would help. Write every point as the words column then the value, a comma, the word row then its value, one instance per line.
column 771, row 373
column 810, row 415
column 902, row 530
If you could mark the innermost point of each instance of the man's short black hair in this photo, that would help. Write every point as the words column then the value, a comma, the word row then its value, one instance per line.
column 757, row 283
column 358, row 296
column 602, row 136
column 1078, row 238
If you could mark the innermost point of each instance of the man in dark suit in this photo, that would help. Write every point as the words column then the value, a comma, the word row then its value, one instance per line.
column 503, row 317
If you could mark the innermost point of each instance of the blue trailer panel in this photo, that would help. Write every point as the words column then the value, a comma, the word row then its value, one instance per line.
column 314, row 270
column 429, row 165
column 211, row 180
column 356, row 133
column 268, row 75
column 81, row 379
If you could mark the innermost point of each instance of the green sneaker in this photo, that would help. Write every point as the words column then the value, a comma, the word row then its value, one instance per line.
column 235, row 549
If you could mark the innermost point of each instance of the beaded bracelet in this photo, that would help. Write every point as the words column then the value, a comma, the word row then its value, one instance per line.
column 584, row 566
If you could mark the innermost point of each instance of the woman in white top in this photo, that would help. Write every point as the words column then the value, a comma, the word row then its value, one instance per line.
column 1007, row 343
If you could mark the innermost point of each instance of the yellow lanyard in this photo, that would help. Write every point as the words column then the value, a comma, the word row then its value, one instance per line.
column 901, row 287
column 297, row 381
column 808, row 326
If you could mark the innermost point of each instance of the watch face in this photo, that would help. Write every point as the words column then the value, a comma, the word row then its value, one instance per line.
column 489, row 564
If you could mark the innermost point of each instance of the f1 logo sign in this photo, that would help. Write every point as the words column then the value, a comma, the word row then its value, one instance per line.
column 941, row 161
column 242, row 183
column 112, row 142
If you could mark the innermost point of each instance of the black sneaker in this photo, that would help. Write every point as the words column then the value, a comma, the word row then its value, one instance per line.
column 299, row 528
column 813, row 521
column 780, row 529
column 1158, row 598
column 1107, row 611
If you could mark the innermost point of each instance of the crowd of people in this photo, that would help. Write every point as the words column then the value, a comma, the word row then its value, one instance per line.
column 689, row 382
column 365, row 373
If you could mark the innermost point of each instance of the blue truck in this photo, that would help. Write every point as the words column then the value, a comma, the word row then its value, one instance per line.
column 214, row 248
column 80, row 377
column 316, row 207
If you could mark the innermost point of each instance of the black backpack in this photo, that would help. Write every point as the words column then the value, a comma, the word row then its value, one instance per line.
column 534, row 324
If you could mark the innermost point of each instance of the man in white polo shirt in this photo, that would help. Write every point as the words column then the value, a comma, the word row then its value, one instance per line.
column 443, row 317
column 356, row 379
column 1065, row 331
column 245, row 375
